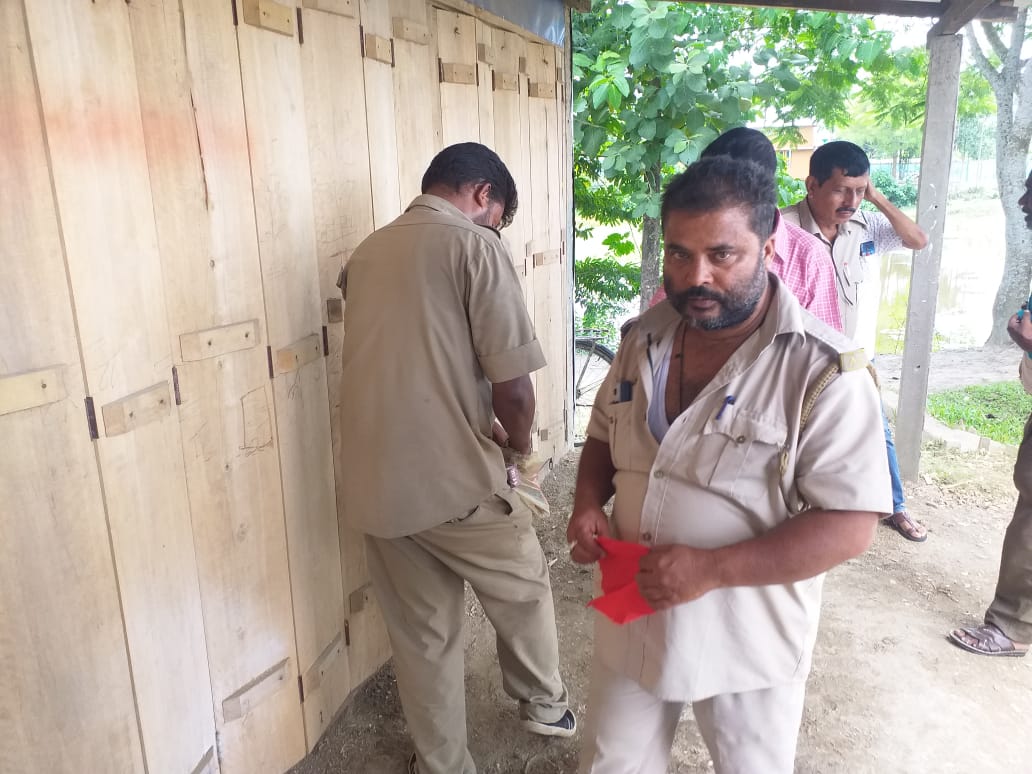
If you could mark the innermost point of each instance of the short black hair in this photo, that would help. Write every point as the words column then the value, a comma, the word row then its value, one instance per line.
column 470, row 163
column 745, row 143
column 847, row 156
column 721, row 182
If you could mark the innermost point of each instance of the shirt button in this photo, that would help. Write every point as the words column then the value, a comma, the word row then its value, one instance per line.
column 646, row 537
column 740, row 439
column 658, row 474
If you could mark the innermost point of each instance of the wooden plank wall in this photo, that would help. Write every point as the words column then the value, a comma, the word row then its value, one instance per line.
column 180, row 183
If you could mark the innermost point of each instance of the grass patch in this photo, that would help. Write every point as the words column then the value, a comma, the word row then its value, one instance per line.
column 997, row 411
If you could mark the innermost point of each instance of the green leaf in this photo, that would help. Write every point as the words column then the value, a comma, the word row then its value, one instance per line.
column 598, row 96
column 622, row 86
column 580, row 60
column 647, row 130
column 614, row 97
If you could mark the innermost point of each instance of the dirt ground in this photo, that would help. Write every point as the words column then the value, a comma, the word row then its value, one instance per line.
column 887, row 692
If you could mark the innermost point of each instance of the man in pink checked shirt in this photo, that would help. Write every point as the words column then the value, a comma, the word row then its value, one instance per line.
column 800, row 260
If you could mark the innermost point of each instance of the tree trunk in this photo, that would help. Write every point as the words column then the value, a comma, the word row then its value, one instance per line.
column 1017, row 265
column 650, row 263
column 651, row 242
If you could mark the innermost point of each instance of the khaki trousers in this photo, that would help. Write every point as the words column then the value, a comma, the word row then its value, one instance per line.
column 419, row 582
column 1011, row 610
column 630, row 731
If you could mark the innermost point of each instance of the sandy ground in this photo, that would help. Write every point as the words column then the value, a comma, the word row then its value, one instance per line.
column 887, row 692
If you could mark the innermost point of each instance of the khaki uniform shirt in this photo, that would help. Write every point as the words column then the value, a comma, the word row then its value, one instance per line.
column 858, row 275
column 716, row 480
column 433, row 315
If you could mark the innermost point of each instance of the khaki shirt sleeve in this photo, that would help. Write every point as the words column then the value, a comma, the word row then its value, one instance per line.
column 503, row 335
column 598, row 425
column 1025, row 373
column 841, row 462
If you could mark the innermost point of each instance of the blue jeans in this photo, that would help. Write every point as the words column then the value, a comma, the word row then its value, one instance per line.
column 899, row 502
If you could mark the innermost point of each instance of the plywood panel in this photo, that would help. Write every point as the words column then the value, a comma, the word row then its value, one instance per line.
column 457, row 45
column 61, row 639
column 89, row 95
column 381, row 120
column 190, row 91
column 415, row 87
column 334, row 109
column 274, row 100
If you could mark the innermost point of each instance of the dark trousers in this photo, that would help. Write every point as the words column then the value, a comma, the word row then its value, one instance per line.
column 1011, row 610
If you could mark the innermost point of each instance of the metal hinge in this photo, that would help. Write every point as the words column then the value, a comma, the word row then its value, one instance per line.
column 268, row 354
column 175, row 386
column 91, row 419
column 347, row 635
column 325, row 341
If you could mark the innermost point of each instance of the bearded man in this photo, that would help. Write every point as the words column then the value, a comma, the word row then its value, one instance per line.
column 741, row 439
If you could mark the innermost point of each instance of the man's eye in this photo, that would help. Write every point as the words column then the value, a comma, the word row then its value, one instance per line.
column 722, row 256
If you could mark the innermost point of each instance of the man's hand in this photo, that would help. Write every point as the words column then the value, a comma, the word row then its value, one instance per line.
column 1021, row 330
column 672, row 574
column 586, row 524
column 913, row 236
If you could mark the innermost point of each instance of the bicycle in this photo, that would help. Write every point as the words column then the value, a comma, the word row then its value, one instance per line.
column 591, row 361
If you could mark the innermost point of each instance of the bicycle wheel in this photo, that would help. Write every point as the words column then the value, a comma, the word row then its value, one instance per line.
column 591, row 362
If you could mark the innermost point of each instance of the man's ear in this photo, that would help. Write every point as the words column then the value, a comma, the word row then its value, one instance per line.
column 768, row 251
column 811, row 184
column 482, row 194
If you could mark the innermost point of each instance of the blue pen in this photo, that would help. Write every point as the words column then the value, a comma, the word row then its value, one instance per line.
column 728, row 401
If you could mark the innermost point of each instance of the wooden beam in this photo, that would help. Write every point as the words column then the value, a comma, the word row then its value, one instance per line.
column 957, row 14
column 996, row 11
column 944, row 57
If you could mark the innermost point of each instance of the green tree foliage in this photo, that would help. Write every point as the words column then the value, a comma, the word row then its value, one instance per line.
column 655, row 82
column 606, row 285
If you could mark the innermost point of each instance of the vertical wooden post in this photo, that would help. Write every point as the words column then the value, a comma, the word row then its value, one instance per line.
column 936, row 153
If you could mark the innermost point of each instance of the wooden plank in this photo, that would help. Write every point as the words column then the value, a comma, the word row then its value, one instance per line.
column 542, row 89
column 269, row 15
column 506, row 81
column 411, row 31
column 64, row 668
column 379, row 48
column 340, row 7
column 213, row 342
column 90, row 100
column 455, row 72
column 416, row 86
column 343, row 207
column 381, row 119
column 298, row 354
column 944, row 57
column 547, row 257
column 271, row 71
column 32, row 389
column 199, row 168
column 957, row 13
column 242, row 701
column 487, row 56
column 457, row 44
column 134, row 411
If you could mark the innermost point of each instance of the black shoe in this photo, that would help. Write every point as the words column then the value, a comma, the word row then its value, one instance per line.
column 564, row 726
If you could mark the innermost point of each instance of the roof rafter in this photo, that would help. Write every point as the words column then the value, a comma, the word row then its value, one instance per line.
column 994, row 11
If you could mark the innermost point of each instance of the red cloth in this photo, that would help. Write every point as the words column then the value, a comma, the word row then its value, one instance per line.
column 621, row 601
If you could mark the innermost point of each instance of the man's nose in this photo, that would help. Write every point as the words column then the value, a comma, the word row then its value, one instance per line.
column 696, row 272
column 853, row 199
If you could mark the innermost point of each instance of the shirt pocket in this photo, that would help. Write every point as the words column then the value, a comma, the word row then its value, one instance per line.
column 629, row 450
column 746, row 455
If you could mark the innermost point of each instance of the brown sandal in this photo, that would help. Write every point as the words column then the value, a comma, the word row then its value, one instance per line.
column 897, row 521
column 989, row 641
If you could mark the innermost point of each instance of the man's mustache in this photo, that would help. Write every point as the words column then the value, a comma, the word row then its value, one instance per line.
column 850, row 210
column 699, row 292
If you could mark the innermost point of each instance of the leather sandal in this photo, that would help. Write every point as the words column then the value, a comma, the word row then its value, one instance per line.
column 896, row 522
column 989, row 641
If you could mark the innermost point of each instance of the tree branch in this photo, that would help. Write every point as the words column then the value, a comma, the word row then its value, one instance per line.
column 994, row 40
column 983, row 64
column 1012, row 63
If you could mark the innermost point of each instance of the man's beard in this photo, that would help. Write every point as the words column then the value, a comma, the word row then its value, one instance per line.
column 735, row 306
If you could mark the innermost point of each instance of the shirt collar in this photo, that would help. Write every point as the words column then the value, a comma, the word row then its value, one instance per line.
column 807, row 221
column 431, row 202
